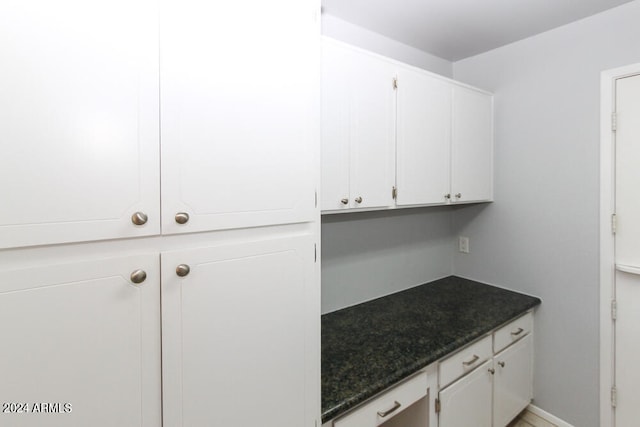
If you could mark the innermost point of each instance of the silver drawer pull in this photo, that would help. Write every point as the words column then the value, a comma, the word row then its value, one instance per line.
column 517, row 332
column 383, row 414
column 473, row 360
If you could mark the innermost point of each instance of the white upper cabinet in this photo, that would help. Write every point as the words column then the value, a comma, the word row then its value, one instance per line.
column 372, row 132
column 423, row 138
column 358, row 129
column 336, row 129
column 85, row 335
column 79, row 128
column 472, row 146
column 397, row 136
column 240, row 102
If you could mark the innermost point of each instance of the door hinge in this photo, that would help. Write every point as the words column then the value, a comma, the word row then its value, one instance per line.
column 614, row 309
column 614, row 397
column 315, row 252
column 614, row 223
column 614, row 121
column 395, row 83
column 316, row 198
column 437, row 405
column 394, row 193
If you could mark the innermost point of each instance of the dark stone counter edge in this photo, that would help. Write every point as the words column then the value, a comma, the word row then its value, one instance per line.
column 391, row 380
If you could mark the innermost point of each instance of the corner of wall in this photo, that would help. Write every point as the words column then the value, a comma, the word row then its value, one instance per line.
column 347, row 32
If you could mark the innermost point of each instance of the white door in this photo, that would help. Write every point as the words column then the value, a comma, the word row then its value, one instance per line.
column 423, row 138
column 467, row 402
column 240, row 113
column 239, row 335
column 512, row 381
column 79, row 128
column 83, row 339
column 627, row 250
column 471, row 146
column 372, row 132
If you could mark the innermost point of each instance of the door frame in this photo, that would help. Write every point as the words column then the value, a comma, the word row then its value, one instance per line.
column 607, row 241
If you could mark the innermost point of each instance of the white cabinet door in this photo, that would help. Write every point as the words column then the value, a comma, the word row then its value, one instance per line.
column 467, row 402
column 358, row 129
column 336, row 69
column 79, row 128
column 85, row 339
column 423, row 138
column 471, row 146
column 373, row 114
column 240, row 112
column 512, row 381
column 239, row 335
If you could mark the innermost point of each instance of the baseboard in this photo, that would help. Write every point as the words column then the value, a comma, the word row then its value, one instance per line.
column 547, row 416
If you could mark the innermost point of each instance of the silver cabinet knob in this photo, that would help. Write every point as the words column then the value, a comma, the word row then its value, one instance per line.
column 458, row 195
column 182, row 270
column 139, row 218
column 501, row 364
column 182, row 217
column 358, row 199
column 344, row 201
column 138, row 276
column 447, row 196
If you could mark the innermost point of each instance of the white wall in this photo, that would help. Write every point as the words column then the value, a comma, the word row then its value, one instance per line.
column 541, row 234
column 370, row 254
column 349, row 33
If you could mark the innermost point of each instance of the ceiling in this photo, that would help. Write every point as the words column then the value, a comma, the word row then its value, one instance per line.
column 457, row 29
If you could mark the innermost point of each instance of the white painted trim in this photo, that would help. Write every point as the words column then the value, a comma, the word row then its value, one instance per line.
column 548, row 417
column 607, row 243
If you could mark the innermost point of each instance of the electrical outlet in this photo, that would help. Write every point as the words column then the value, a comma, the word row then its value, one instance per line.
column 463, row 244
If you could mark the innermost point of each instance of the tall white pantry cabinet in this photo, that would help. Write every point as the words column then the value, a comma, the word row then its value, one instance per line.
column 159, row 220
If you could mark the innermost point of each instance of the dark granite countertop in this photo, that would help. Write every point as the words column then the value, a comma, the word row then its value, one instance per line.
column 371, row 346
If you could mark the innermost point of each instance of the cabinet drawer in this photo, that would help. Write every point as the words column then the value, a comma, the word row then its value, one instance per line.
column 399, row 397
column 464, row 361
column 512, row 332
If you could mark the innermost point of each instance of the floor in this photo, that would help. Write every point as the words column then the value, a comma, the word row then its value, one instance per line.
column 527, row 419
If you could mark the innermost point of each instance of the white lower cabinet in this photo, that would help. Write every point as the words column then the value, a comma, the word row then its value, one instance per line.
column 239, row 329
column 467, row 402
column 493, row 393
column 503, row 383
column 406, row 405
column 184, row 337
column 512, row 381
column 81, row 344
